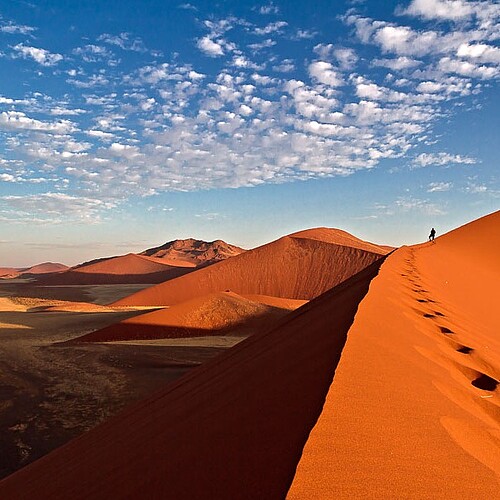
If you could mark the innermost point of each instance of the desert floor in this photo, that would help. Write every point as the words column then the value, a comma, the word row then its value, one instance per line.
column 53, row 390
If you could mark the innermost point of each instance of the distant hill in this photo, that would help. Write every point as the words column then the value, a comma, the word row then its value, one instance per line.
column 193, row 251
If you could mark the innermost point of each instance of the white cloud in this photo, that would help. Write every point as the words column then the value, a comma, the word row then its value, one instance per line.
column 16, row 29
column 441, row 159
column 41, row 56
column 480, row 52
column 285, row 66
column 125, row 41
column 210, row 47
column 12, row 120
column 275, row 27
column 410, row 204
column 398, row 63
column 439, row 187
column 466, row 68
column 324, row 72
column 269, row 9
column 262, row 45
column 440, row 9
column 346, row 57
column 47, row 205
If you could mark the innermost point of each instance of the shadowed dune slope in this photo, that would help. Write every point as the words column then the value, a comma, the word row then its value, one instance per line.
column 413, row 410
column 213, row 314
column 232, row 428
column 291, row 267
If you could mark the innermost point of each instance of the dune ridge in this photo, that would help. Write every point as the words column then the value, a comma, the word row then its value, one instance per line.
column 232, row 428
column 423, row 416
column 291, row 267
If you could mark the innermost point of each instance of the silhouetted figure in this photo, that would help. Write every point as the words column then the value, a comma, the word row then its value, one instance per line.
column 432, row 235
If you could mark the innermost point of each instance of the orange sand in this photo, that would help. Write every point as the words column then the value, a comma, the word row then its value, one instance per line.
column 214, row 314
column 297, row 267
column 413, row 410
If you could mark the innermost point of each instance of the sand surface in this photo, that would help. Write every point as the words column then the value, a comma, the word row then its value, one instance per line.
column 413, row 410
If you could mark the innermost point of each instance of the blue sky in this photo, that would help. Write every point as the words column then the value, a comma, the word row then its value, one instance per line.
column 124, row 124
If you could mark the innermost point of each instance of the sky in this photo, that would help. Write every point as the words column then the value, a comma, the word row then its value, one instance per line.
column 128, row 123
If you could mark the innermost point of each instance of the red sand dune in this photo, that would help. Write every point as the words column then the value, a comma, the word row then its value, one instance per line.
column 194, row 252
column 214, row 314
column 300, row 266
column 130, row 268
column 9, row 272
column 413, row 410
column 46, row 267
column 231, row 429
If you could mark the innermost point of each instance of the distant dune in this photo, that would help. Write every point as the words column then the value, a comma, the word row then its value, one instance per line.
column 39, row 269
column 214, row 314
column 299, row 266
column 194, row 252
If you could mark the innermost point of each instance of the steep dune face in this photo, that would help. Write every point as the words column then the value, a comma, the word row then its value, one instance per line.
column 232, row 428
column 291, row 267
column 413, row 410
column 214, row 314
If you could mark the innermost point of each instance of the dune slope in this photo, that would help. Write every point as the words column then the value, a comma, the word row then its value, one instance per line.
column 232, row 428
column 295, row 267
column 413, row 410
column 213, row 314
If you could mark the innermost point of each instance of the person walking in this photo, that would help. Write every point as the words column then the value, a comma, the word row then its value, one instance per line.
column 432, row 235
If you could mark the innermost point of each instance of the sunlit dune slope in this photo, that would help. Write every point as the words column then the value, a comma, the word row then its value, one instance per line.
column 232, row 428
column 296, row 267
column 214, row 314
column 413, row 410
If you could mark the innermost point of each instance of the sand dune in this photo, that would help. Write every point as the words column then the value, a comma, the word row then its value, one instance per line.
column 9, row 272
column 296, row 267
column 44, row 268
column 130, row 268
column 413, row 410
column 232, row 428
column 214, row 314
